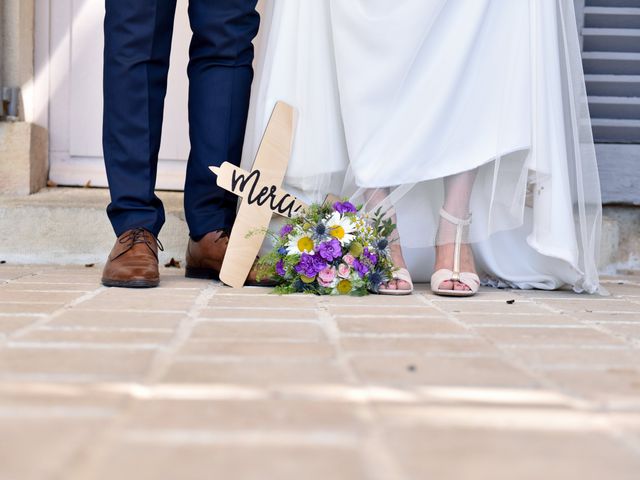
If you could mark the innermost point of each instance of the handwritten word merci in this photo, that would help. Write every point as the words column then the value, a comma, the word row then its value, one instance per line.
column 248, row 186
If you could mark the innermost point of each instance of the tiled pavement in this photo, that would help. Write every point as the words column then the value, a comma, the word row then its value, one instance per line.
column 194, row 380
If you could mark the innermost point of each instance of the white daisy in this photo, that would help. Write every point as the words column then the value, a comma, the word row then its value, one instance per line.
column 341, row 228
column 300, row 242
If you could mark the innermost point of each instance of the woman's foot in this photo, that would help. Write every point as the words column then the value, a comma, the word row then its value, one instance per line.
column 455, row 270
column 398, row 261
column 444, row 259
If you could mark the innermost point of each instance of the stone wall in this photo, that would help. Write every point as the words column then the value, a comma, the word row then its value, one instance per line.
column 17, row 45
column 23, row 146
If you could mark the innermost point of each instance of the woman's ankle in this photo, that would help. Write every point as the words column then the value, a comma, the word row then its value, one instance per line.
column 444, row 257
column 397, row 256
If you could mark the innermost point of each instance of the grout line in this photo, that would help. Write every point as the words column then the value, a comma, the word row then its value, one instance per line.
column 47, row 318
column 245, row 438
column 254, row 339
column 53, row 345
column 613, row 430
column 96, row 454
column 553, row 346
column 379, row 463
column 82, row 328
column 204, row 320
column 235, row 359
column 596, row 327
column 418, row 336
column 182, row 333
column 513, row 360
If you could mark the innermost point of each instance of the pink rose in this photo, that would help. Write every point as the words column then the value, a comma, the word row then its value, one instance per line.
column 349, row 259
column 344, row 270
column 327, row 276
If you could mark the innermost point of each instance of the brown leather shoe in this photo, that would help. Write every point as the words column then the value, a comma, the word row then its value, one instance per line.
column 204, row 259
column 133, row 262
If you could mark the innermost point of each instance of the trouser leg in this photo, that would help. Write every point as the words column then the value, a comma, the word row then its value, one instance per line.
column 220, row 76
column 136, row 63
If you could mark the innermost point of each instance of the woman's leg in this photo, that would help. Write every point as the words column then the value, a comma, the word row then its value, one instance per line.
column 375, row 197
column 457, row 194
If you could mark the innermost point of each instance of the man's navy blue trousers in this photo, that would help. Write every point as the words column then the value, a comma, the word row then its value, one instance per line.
column 136, row 62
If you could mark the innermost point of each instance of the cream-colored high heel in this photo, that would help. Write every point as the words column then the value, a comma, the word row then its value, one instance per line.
column 471, row 280
column 400, row 274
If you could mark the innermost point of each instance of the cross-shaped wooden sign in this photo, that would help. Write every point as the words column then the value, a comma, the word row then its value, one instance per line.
column 261, row 194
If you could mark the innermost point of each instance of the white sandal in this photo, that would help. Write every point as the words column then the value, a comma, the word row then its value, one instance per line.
column 471, row 280
column 400, row 274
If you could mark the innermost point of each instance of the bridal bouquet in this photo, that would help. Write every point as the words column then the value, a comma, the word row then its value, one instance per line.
column 331, row 250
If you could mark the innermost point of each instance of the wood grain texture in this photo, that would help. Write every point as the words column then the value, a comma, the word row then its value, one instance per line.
column 252, row 220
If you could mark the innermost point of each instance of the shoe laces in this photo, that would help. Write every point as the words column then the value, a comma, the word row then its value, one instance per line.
column 141, row 236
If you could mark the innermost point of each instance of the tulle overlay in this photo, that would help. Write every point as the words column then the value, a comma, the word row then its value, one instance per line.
column 392, row 97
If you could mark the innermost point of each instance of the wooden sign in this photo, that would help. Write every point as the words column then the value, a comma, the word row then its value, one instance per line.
column 251, row 187
column 261, row 194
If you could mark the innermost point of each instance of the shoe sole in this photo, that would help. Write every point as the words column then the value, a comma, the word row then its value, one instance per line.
column 202, row 273
column 395, row 293
column 131, row 283
column 454, row 293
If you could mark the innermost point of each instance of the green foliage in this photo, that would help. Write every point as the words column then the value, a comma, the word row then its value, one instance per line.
column 371, row 231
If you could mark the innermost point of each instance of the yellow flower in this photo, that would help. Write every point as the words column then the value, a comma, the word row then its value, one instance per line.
column 344, row 287
column 337, row 232
column 299, row 244
column 341, row 228
column 305, row 244
column 306, row 279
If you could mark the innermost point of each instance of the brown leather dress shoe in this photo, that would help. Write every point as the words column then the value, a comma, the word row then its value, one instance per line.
column 204, row 259
column 133, row 262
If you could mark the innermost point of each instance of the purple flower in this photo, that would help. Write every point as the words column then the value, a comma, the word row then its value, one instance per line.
column 280, row 268
column 360, row 267
column 286, row 230
column 344, row 207
column 330, row 250
column 310, row 265
column 372, row 257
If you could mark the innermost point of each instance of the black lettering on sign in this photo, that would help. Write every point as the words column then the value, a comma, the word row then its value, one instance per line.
column 241, row 183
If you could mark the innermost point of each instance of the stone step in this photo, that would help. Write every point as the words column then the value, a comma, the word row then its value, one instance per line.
column 611, row 130
column 615, row 107
column 612, row 63
column 611, row 39
column 612, row 17
column 615, row 85
column 70, row 226
column 612, row 3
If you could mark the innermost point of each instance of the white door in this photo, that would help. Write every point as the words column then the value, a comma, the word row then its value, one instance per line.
column 71, row 49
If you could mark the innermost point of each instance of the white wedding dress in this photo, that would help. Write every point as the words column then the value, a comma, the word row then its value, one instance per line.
column 398, row 95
